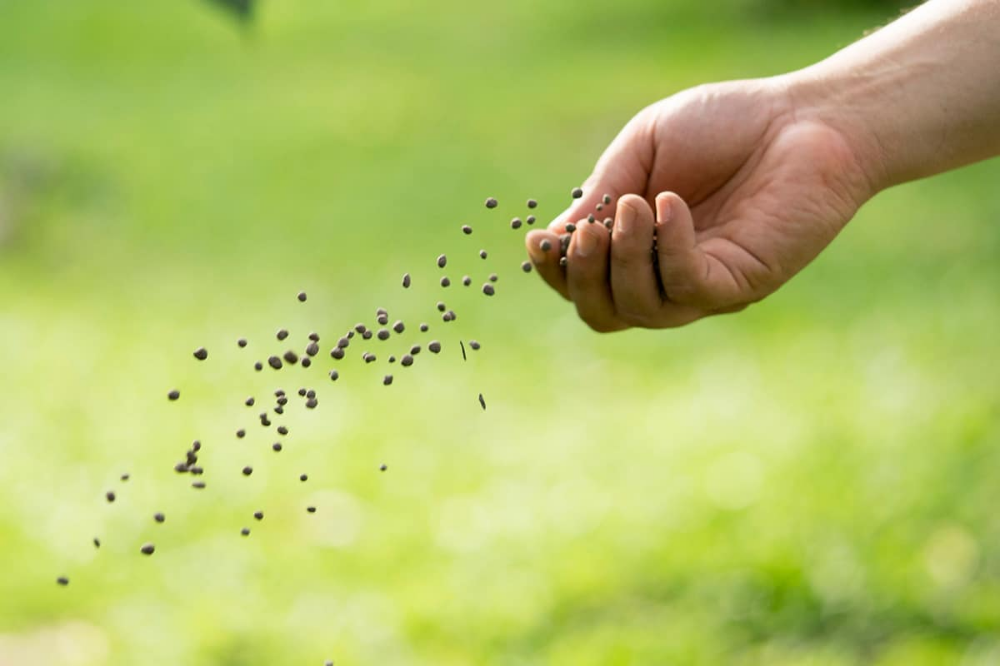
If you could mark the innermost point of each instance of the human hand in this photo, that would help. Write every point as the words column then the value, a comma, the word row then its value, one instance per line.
column 719, row 195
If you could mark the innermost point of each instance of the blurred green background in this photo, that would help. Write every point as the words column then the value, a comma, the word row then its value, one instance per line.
column 814, row 481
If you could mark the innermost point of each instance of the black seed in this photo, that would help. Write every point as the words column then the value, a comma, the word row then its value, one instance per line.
column 311, row 393
column 546, row 245
column 196, row 445
column 606, row 199
column 282, row 333
column 311, row 509
column 445, row 282
column 367, row 335
column 392, row 359
column 491, row 203
column 191, row 458
column 337, row 353
column 241, row 433
column 482, row 254
column 591, row 219
column 368, row 357
column 564, row 240
column 242, row 342
column 526, row 266
column 97, row 542
column 442, row 261
column 147, row 549
column 248, row 470
column 530, row 219
column 387, row 380
column 406, row 280
column 282, row 430
column 448, row 316
column 302, row 297
column 466, row 280
column 279, row 410
column 245, row 531
column 110, row 496
column 197, row 471
column 382, row 319
column 599, row 207
column 515, row 223
column 493, row 277
column 482, row 401
column 181, row 468
column 258, row 366
column 334, row 375
column 441, row 306
column 276, row 446
column 570, row 227
column 462, row 344
column 474, row 344
column 399, row 327
column 343, row 343
column 291, row 357
column 360, row 328
column 383, row 467
column 173, row 395
column 303, row 477
column 274, row 362
column 383, row 334
column 200, row 485
column 562, row 262
column 282, row 400
column 126, row 476
column 532, row 203
column 249, row 402
column 265, row 422
column 312, row 403
column 259, row 515
column 577, row 193
column 466, row 229
column 415, row 349
column 434, row 347
column 314, row 336
column 609, row 222
column 312, row 349
column 201, row 353
column 424, row 328
column 488, row 289
column 159, row 517
column 63, row 580
column 306, row 362
column 406, row 361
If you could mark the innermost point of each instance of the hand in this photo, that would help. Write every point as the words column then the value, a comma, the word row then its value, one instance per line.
column 747, row 188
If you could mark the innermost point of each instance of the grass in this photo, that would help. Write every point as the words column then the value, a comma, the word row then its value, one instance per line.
column 809, row 482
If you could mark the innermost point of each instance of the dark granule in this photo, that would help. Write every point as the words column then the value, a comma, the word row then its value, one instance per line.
column 591, row 219
column 282, row 400
column 532, row 203
column 570, row 227
column 282, row 334
column 311, row 393
column 434, row 347
column 530, row 219
column 159, row 517
column 303, row 477
column 474, row 344
column 488, row 289
column 174, row 395
column 334, row 375
column 382, row 319
column 577, row 192
column 360, row 328
column 466, row 280
column 445, row 281
column 195, row 446
column 279, row 410
column 306, row 362
column 242, row 342
column 274, row 362
column 259, row 515
column 241, row 433
column 147, row 549
column 249, row 402
column 406, row 361
column 424, row 328
column 312, row 403
column 415, row 349
column 387, row 380
column 110, row 496
column 181, row 468
column 606, row 199
column 392, row 359
column 311, row 509
column 314, row 336
column 441, row 306
column 406, row 280
column 482, row 402
column 493, row 277
column 258, row 366
column 491, row 203
column 526, row 266
column 545, row 245
column 466, row 229
column 126, row 476
column 564, row 240
column 201, row 353
column 399, row 327
column 245, row 531
column 367, row 335
column 337, row 353
column 515, row 223
column 383, row 467
column 383, row 334
column 482, row 254
column 248, row 470
column 200, row 485
column 291, row 357
column 562, row 262
column 302, row 391
column 62, row 580
column 97, row 542
column 276, row 446
column 442, row 261
column 312, row 349
column 302, row 297
column 196, row 470
column 344, row 342
column 282, row 430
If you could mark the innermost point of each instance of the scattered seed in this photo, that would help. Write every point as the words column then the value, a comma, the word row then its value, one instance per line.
column 279, row 410
column 562, row 262
column 312, row 403
column 367, row 335
column 196, row 471
column 334, row 375
column 181, row 468
column 515, row 223
column 249, row 402
column 406, row 280
column 383, row 467
column 282, row 400
column 311, row 393
column 242, row 342
column 387, row 380
column 125, row 477
column 383, row 334
column 434, row 347
column 159, row 517
column 546, row 245
column 445, row 282
column 368, row 357
column 311, row 509
column 599, row 207
column 491, row 203
column 276, row 446
column 201, row 353
column 462, row 345
column 381, row 311
column 337, row 353
column 609, row 222
column 382, row 319
column 147, row 549
column 245, row 531
column 196, row 445
column 399, row 327
column 282, row 430
column 314, row 336
column 291, row 357
column 488, row 289
column 482, row 254
column 493, row 277
column 360, row 328
column 392, row 359
column 442, row 261
column 482, row 402
column 577, row 193
column 241, row 433
column 200, row 485
column 62, row 580
column 441, row 306
column 302, row 392
column 406, row 361
column 306, row 362
column 303, row 477
column 532, row 203
column 248, row 470
column 448, row 316
column 466, row 229
column 312, row 349
column 97, row 542
column 110, row 496
column 173, row 395
column 258, row 366
column 415, row 349
column 564, row 240
column 302, row 297
column 424, row 328
column 570, row 228
column 474, row 345
column 274, row 362
column 466, row 280
column 282, row 334
column 606, row 199
column 530, row 219
column 259, row 515
column 526, row 266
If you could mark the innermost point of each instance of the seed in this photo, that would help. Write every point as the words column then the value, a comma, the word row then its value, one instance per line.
column 383, row 467
column 279, row 410
column 242, row 342
column 493, row 277
column 609, row 222
column 488, row 289
column 442, row 261
column 570, row 227
column 125, row 477
column 303, row 477
column 406, row 361
column 367, row 335
column 302, row 297
column 241, row 433
column 545, row 245
column 462, row 345
column 197, row 471
column 466, row 229
column 259, row 515
column 249, row 402
column 196, row 445
column 97, row 542
column 181, row 468
column 424, row 328
column 282, row 334
column 306, row 362
column 441, row 306
column 282, row 430
column 387, row 380
column 381, row 311
column 599, row 207
column 515, row 223
column 245, row 531
column 147, row 549
column 62, row 580
column 265, row 422
column 201, row 353
column 200, row 485
column 399, row 327
column 191, row 458
column 415, row 349
column 312, row 403
column 482, row 254
column 564, row 243
column 312, row 349
column 474, row 344
column 466, row 280
column 274, row 362
column 314, row 336
column 159, row 517
column 173, row 395
column 577, row 192
column 302, row 392
column 392, row 359
column 311, row 509
column 532, row 203
column 606, row 199
column 530, row 219
column 334, row 375
column 311, row 393
column 383, row 334
column 482, row 402
column 360, row 328
column 258, row 366
column 276, row 446
column 337, row 353
column 406, row 280
column 446, row 317
column 110, row 496
column 369, row 358
column 248, row 470
column 491, row 203
column 382, row 319
column 282, row 400
column 434, row 347
column 591, row 219
column 526, row 266
column 562, row 262
column 445, row 282
column 291, row 357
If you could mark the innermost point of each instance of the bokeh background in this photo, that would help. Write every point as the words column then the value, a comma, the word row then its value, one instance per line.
column 814, row 481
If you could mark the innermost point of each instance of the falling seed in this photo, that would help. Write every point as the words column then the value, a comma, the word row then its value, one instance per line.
column 383, row 334
column 367, row 335
column 97, row 542
column 312, row 349
column 392, row 359
column 442, row 261
column 200, row 485
column 530, row 219
column 276, row 446
column 562, row 262
column 159, row 517
column 462, row 345
column 62, row 580
column 314, row 336
column 382, row 318
column 545, row 245
column 424, row 328
column 606, row 199
column 406, row 281
column 493, row 277
column 466, row 280
column 196, row 445
column 312, row 403
column 591, row 219
column 466, row 229
column 173, row 395
column 441, row 306
column 201, row 353
column 249, row 402
column 147, row 549
column 406, row 361
column 334, row 375
column 482, row 402
column 399, row 327
column 282, row 400
column 474, row 345
column 291, row 357
column 383, row 467
column 488, row 289
column 434, row 347
column 337, row 353
column 258, row 366
column 302, row 392
column 577, row 193
column 515, row 223
column 274, row 362
column 570, row 227
column 526, row 266
column 302, row 297
column 282, row 430
column 181, row 468
column 368, row 357
column 241, row 433
column 532, row 203
column 242, row 342
column 311, row 393
column 248, row 470
column 280, row 393
column 387, row 380
column 445, row 282
column 446, row 317
column 110, row 496
column 360, row 328
column 245, row 531
column 381, row 311
column 482, row 254
column 259, row 515
column 311, row 509
column 306, row 362
column 303, row 477
column 415, row 349
column 491, row 203
column 197, row 471
column 282, row 334
column 126, row 476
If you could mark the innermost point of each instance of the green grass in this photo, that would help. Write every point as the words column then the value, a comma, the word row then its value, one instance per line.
column 810, row 482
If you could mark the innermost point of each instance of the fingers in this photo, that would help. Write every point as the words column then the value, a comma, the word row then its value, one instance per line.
column 587, row 278
column 634, row 283
column 543, row 249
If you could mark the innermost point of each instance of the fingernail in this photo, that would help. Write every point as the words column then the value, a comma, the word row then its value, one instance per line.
column 626, row 218
column 585, row 241
column 664, row 209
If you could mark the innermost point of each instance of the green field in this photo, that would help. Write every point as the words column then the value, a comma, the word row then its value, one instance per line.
column 814, row 481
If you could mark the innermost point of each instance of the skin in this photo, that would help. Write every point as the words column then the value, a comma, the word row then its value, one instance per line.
column 722, row 193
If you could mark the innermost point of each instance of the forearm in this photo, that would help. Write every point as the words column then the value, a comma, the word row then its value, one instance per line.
column 916, row 98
